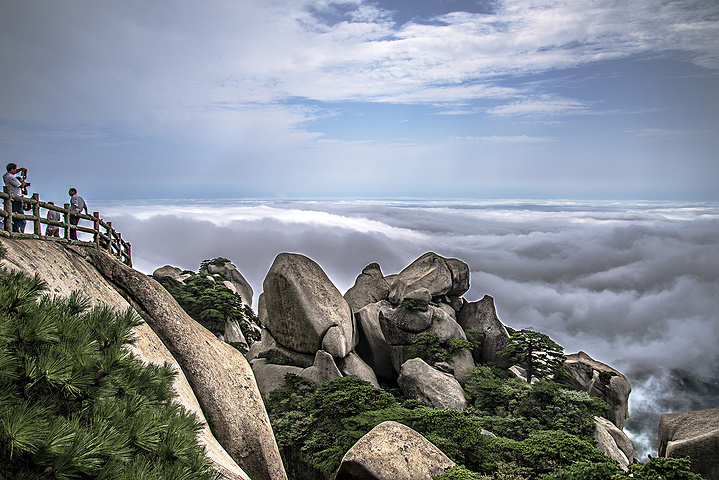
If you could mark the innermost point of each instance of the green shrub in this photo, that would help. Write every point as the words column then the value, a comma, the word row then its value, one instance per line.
column 211, row 304
column 428, row 347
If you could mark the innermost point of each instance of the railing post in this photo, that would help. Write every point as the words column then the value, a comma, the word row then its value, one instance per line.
column 66, row 219
column 36, row 214
column 96, row 227
column 7, row 205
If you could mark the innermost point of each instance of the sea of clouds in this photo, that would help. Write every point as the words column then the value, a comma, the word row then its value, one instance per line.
column 633, row 284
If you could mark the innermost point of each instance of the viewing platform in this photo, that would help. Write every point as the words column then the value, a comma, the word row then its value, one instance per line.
column 103, row 235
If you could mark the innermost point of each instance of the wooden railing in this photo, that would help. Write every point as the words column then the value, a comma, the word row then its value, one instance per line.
column 103, row 235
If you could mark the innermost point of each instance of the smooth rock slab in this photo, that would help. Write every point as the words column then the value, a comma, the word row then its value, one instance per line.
column 392, row 451
column 435, row 389
column 600, row 380
column 369, row 287
column 482, row 316
column 301, row 304
column 694, row 434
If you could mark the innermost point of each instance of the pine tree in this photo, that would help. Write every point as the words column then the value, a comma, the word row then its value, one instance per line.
column 537, row 353
column 75, row 404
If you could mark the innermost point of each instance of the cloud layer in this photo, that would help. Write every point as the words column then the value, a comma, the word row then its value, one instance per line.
column 603, row 277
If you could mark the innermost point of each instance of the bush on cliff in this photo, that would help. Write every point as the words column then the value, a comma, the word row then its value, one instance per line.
column 211, row 304
column 74, row 403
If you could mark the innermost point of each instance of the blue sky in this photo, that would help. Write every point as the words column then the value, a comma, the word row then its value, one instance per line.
column 352, row 98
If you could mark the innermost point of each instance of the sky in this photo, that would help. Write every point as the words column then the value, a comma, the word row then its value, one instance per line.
column 354, row 98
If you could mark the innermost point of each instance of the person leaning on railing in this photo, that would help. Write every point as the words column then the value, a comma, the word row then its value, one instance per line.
column 77, row 204
column 15, row 187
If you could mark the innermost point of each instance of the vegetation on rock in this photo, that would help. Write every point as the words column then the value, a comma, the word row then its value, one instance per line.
column 75, row 404
column 428, row 347
column 537, row 353
column 540, row 427
column 212, row 304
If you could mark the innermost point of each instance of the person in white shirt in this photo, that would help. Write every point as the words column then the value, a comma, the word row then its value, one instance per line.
column 15, row 186
column 77, row 204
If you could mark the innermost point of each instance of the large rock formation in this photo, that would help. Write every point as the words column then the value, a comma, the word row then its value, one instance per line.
column 369, row 287
column 613, row 442
column 482, row 316
column 600, row 380
column 309, row 326
column 392, row 451
column 304, row 310
column 693, row 434
column 229, row 395
column 439, row 275
column 65, row 271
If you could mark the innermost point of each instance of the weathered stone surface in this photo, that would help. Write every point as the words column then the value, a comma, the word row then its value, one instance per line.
column 372, row 347
column 167, row 271
column 218, row 373
column 399, row 325
column 65, row 271
column 694, row 434
column 353, row 366
column 369, row 287
column 613, row 442
column 460, row 277
column 600, row 380
column 269, row 349
column 462, row 362
column 232, row 275
column 421, row 382
column 482, row 316
column 439, row 275
column 392, row 451
column 233, row 333
column 301, row 304
column 336, row 343
column 323, row 370
column 270, row 376
column 444, row 326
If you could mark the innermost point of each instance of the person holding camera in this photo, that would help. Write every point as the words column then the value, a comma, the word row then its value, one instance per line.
column 77, row 204
column 16, row 187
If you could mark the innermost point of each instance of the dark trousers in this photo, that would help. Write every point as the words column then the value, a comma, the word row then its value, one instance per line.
column 73, row 232
column 18, row 225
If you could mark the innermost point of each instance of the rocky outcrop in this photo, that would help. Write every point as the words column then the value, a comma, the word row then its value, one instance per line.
column 401, row 326
column 438, row 275
column 693, row 434
column 218, row 373
column 168, row 271
column 65, row 271
column 600, row 380
column 229, row 272
column 435, row 389
column 304, row 311
column 369, row 287
column 613, row 442
column 482, row 316
column 392, row 451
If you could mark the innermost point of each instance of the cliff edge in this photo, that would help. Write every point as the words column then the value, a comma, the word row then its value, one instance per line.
column 214, row 381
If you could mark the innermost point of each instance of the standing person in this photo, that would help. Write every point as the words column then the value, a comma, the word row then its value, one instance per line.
column 15, row 186
column 77, row 204
column 52, row 230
